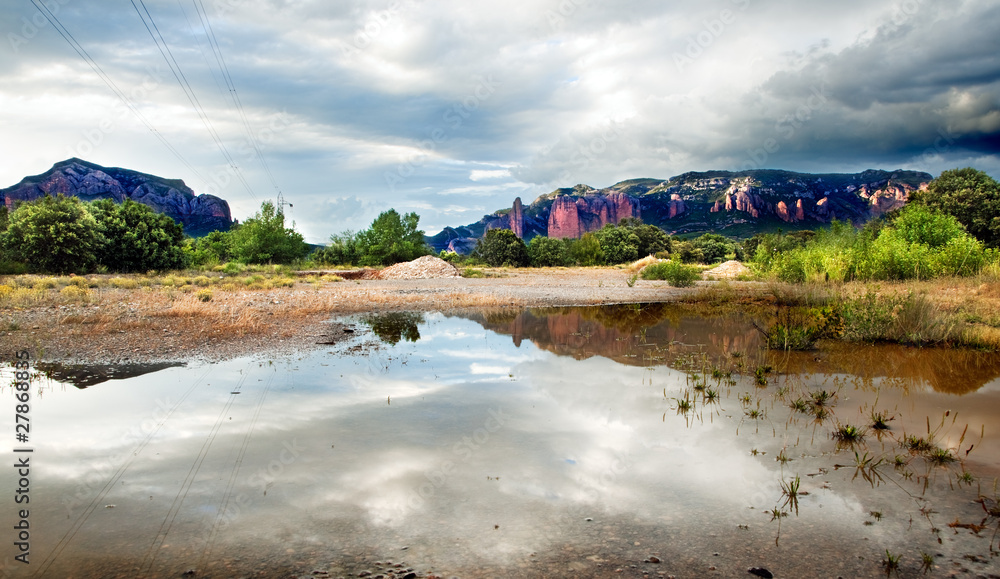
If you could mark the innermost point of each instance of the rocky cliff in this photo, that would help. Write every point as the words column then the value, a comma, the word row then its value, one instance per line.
column 738, row 204
column 199, row 214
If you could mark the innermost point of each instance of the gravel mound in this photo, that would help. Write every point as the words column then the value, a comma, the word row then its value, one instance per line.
column 728, row 270
column 425, row 267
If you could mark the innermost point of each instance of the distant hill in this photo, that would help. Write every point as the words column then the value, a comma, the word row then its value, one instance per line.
column 199, row 214
column 737, row 204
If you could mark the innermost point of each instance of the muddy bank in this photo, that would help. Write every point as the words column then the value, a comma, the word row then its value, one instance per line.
column 144, row 325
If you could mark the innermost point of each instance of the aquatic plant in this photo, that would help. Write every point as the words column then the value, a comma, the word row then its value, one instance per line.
column 848, row 434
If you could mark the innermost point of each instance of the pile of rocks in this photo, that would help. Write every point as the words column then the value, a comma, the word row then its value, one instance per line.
column 425, row 267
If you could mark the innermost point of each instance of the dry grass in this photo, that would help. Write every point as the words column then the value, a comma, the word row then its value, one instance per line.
column 636, row 266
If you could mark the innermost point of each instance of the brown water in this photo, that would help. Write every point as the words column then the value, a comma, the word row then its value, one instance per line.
column 543, row 443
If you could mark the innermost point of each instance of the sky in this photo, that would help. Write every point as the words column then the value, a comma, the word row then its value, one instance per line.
column 451, row 109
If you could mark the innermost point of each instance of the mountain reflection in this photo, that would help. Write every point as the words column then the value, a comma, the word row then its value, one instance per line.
column 666, row 334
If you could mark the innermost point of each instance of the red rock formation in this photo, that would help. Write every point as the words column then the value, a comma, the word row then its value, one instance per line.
column 517, row 218
column 569, row 217
column 887, row 199
column 800, row 212
column 564, row 219
column 782, row 212
column 676, row 205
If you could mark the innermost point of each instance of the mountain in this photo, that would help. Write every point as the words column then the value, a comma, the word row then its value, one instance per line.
column 737, row 204
column 199, row 214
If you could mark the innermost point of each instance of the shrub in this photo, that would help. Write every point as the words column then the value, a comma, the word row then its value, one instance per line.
column 618, row 244
column 713, row 246
column 136, row 238
column 75, row 293
column 547, row 252
column 502, row 247
column 971, row 196
column 674, row 272
column 264, row 238
column 204, row 295
column 53, row 234
column 586, row 251
column 123, row 283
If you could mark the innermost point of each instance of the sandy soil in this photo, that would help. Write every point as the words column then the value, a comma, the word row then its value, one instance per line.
column 121, row 326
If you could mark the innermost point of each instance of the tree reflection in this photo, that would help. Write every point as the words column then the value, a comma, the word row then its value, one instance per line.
column 395, row 326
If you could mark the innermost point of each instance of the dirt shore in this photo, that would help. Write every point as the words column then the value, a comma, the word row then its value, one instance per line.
column 144, row 325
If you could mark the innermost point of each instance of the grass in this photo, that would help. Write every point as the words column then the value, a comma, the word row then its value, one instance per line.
column 674, row 272
column 880, row 420
column 848, row 434
column 891, row 563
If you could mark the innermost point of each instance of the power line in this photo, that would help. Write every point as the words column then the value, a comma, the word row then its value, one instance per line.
column 175, row 68
column 231, row 86
column 82, row 52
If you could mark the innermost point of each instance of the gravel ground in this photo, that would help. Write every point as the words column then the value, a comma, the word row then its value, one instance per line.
column 140, row 326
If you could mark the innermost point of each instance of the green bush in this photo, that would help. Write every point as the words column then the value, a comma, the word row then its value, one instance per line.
column 502, row 247
column 264, row 238
column 136, row 238
column 618, row 244
column 53, row 234
column 210, row 250
column 714, row 247
column 971, row 196
column 342, row 250
column 674, row 272
column 586, row 251
column 547, row 252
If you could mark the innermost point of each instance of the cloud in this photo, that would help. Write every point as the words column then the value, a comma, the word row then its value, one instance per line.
column 401, row 103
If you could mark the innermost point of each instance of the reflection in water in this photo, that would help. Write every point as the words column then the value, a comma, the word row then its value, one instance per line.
column 552, row 443
column 395, row 326
column 651, row 334
column 84, row 375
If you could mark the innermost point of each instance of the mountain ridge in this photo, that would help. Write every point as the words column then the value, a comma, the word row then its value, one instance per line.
column 736, row 203
column 199, row 214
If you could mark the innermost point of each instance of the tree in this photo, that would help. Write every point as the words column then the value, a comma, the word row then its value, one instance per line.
column 391, row 239
column 586, row 251
column 713, row 246
column 502, row 247
column 264, row 238
column 547, row 252
column 652, row 239
column 342, row 250
column 971, row 196
column 53, row 234
column 136, row 238
column 213, row 248
column 619, row 244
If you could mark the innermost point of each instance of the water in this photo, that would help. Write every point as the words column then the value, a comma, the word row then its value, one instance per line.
column 537, row 443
